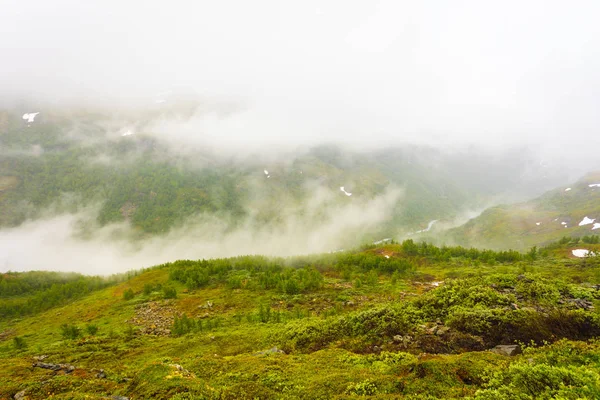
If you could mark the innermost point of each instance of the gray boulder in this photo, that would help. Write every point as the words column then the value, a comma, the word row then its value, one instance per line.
column 507, row 349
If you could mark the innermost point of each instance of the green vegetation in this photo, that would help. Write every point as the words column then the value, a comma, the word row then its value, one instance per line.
column 418, row 326
column 540, row 221
column 65, row 163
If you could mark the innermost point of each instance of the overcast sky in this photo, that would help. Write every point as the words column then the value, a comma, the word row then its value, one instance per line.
column 458, row 71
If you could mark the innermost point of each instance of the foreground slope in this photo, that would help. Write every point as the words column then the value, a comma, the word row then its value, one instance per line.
column 396, row 321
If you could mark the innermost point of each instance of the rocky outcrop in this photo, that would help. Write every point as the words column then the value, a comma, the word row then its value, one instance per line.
column 507, row 349
column 155, row 318
column 67, row 368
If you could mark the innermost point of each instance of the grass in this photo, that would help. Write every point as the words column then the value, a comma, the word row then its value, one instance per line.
column 229, row 360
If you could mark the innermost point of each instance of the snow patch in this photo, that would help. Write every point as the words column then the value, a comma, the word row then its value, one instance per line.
column 382, row 241
column 30, row 117
column 586, row 221
column 128, row 132
column 563, row 223
column 596, row 226
column 538, row 223
column 594, row 185
column 567, row 189
column 386, row 256
column 580, row 252
column 266, row 172
column 343, row 190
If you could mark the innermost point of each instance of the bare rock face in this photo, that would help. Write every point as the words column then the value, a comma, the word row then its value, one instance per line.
column 507, row 349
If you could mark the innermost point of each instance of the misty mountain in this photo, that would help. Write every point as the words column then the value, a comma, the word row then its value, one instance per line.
column 62, row 163
column 572, row 210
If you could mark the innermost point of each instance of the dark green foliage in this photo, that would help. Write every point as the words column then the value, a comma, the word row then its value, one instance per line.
column 128, row 294
column 69, row 331
column 183, row 325
column 169, row 292
column 92, row 329
column 28, row 292
column 19, row 343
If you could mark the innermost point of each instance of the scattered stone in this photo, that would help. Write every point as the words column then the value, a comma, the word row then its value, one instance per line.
column 101, row 374
column 21, row 395
column 582, row 303
column 154, row 318
column 119, row 398
column 55, row 367
column 442, row 330
column 507, row 349
column 272, row 350
column 514, row 306
column 40, row 358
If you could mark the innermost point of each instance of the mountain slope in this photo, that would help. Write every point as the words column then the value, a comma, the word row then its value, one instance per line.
column 400, row 320
column 66, row 162
column 566, row 211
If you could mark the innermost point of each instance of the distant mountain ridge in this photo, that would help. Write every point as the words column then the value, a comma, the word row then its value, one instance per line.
column 572, row 210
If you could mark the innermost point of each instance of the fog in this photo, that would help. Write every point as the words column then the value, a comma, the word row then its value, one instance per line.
column 65, row 242
column 352, row 71
column 266, row 80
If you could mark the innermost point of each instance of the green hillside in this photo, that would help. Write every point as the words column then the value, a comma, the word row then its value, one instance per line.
column 540, row 221
column 403, row 320
column 63, row 163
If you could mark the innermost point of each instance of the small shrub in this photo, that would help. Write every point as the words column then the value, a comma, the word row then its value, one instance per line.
column 128, row 294
column 70, row 331
column 19, row 343
column 91, row 329
column 169, row 292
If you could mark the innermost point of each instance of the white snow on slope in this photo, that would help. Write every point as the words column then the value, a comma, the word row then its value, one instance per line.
column 567, row 189
column 382, row 241
column 538, row 223
column 586, row 221
column 596, row 226
column 266, row 172
column 594, row 185
column 346, row 193
column 128, row 132
column 30, row 116
column 580, row 252
column 563, row 223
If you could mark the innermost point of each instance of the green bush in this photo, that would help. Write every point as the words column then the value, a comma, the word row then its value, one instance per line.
column 128, row 294
column 19, row 343
column 91, row 329
column 169, row 293
column 541, row 381
column 70, row 331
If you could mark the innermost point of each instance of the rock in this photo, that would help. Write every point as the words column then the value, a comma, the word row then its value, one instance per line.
column 442, row 330
column 514, row 306
column 21, row 395
column 119, row 398
column 582, row 303
column 40, row 358
column 55, row 367
column 507, row 349
column 272, row 350
column 101, row 374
